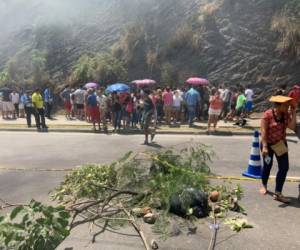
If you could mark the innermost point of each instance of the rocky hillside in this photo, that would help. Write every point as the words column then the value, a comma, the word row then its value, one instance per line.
column 234, row 41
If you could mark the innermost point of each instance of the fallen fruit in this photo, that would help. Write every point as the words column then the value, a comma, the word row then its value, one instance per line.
column 150, row 218
column 214, row 196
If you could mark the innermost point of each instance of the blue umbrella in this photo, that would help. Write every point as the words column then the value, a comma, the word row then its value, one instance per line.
column 118, row 87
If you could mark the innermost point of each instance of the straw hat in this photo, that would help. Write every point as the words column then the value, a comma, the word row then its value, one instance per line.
column 280, row 99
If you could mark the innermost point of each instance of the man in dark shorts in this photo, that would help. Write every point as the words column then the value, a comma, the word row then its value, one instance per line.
column 148, row 112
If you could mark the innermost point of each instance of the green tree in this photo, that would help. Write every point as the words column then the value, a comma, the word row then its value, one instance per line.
column 109, row 69
column 4, row 77
column 83, row 71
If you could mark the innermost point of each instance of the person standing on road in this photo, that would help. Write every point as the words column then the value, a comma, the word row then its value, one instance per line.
column 148, row 112
column 48, row 97
column 29, row 108
column 192, row 98
column 92, row 105
column 240, row 108
column 226, row 96
column 79, row 100
column 215, row 109
column 15, row 99
column 273, row 141
column 249, row 101
column 168, row 104
column 7, row 106
column 38, row 103
column 65, row 95
column 103, row 107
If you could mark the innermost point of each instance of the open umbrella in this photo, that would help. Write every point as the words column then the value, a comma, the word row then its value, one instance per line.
column 91, row 85
column 118, row 87
column 144, row 82
column 196, row 81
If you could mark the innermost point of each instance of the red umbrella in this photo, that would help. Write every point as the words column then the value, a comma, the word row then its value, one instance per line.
column 196, row 81
column 143, row 83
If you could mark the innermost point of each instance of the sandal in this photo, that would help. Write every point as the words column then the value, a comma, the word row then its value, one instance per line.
column 281, row 198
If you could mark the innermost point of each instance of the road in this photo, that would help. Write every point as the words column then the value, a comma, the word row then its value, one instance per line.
column 22, row 154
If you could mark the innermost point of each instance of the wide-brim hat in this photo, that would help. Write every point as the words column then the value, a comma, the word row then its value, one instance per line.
column 280, row 99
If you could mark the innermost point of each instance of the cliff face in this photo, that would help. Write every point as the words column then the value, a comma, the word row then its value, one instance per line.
column 225, row 40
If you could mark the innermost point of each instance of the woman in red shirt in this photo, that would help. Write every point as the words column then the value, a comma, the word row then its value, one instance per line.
column 273, row 141
column 215, row 108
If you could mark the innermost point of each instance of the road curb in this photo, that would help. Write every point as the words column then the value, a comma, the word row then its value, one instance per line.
column 159, row 132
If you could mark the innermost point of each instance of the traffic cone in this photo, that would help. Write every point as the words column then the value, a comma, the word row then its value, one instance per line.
column 254, row 166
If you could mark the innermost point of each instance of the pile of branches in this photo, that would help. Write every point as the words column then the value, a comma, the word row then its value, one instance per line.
column 109, row 195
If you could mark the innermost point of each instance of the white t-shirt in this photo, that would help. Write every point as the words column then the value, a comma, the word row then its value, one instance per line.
column 177, row 101
column 249, row 95
column 102, row 100
column 15, row 98
column 79, row 96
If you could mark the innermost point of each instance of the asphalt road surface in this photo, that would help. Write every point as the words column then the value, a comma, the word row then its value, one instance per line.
column 24, row 157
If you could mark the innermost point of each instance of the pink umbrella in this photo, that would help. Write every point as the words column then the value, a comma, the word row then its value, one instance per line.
column 145, row 82
column 91, row 85
column 196, row 81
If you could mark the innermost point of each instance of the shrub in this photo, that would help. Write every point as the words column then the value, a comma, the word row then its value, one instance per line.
column 289, row 29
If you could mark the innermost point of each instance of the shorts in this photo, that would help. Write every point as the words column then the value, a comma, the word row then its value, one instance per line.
column 147, row 118
column 216, row 112
column 176, row 109
column 68, row 106
column 94, row 113
column 239, row 111
column 168, row 108
column 21, row 106
column 249, row 106
column 79, row 106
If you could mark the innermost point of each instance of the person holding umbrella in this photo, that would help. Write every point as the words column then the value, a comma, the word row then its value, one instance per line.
column 273, row 141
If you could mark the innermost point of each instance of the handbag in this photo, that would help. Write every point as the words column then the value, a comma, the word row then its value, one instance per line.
column 280, row 148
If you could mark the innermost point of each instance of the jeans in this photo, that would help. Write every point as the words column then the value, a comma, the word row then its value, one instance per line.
column 30, row 111
column 117, row 121
column 192, row 114
column 40, row 118
column 48, row 109
column 283, row 167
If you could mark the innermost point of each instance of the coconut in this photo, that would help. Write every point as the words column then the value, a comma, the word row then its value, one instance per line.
column 214, row 196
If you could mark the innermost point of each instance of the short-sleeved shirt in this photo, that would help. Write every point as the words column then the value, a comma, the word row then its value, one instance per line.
column 103, row 102
column 37, row 100
column 249, row 95
column 240, row 102
column 6, row 94
column 92, row 100
column 66, row 94
column 79, row 96
column 276, row 130
column 168, row 98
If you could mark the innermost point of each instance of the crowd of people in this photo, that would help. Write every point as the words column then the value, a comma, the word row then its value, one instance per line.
column 123, row 110
column 147, row 108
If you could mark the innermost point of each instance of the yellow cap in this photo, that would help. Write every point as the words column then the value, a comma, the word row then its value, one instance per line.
column 280, row 99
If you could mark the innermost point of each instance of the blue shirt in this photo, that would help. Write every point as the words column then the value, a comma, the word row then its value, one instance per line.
column 192, row 97
column 48, row 95
column 92, row 100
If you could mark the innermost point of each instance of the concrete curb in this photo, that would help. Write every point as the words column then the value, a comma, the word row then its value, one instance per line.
column 162, row 132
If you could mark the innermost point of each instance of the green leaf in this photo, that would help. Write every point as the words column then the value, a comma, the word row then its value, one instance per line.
column 62, row 222
column 64, row 214
column 15, row 212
